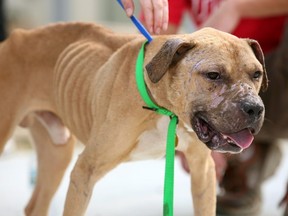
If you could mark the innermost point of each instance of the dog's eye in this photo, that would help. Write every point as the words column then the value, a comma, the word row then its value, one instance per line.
column 257, row 75
column 213, row 75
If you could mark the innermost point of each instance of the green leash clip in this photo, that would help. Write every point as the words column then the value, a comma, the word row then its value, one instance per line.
column 171, row 135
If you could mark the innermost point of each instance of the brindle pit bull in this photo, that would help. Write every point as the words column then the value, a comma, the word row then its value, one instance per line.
column 76, row 80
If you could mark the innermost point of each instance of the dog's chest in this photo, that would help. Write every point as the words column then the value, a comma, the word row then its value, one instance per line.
column 152, row 143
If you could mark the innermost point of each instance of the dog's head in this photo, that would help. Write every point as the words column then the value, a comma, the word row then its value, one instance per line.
column 211, row 80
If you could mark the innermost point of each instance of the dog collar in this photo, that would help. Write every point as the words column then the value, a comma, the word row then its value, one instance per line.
column 171, row 134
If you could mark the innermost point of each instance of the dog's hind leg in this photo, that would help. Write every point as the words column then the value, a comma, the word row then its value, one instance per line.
column 52, row 162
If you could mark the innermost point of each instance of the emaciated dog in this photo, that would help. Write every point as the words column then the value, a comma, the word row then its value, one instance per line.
column 76, row 80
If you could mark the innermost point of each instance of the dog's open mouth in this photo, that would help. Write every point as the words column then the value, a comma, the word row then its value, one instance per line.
column 224, row 142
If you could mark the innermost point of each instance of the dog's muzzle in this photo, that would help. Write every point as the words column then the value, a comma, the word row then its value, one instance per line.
column 240, row 126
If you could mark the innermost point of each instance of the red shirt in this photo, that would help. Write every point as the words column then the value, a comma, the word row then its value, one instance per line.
column 267, row 31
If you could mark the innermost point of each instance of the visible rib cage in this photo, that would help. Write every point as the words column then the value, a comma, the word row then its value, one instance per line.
column 74, row 74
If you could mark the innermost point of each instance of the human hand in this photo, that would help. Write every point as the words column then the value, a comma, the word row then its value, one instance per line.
column 227, row 16
column 155, row 13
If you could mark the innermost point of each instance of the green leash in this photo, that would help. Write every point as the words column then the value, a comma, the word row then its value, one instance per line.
column 171, row 135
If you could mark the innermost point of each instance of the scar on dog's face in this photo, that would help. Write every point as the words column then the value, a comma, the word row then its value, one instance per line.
column 214, row 88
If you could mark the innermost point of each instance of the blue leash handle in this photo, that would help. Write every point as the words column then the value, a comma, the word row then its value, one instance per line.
column 139, row 25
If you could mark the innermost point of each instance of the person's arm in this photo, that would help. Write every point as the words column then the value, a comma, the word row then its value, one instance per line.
column 261, row 8
column 155, row 13
column 229, row 13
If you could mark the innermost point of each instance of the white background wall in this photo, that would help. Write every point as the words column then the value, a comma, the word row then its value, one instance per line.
column 32, row 13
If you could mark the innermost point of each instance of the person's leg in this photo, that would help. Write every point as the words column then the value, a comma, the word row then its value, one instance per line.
column 241, row 185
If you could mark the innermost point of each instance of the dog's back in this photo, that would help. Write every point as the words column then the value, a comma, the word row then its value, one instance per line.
column 39, row 49
column 29, row 58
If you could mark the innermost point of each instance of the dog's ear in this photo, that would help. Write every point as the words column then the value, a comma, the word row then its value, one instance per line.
column 260, row 56
column 169, row 54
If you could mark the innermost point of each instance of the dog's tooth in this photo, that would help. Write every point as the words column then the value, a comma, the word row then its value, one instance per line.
column 215, row 139
column 189, row 129
column 230, row 141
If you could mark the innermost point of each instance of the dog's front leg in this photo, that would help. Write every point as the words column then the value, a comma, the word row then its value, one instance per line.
column 82, row 181
column 95, row 161
column 203, row 178
column 88, row 169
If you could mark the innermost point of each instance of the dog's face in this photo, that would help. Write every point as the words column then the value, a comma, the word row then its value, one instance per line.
column 211, row 81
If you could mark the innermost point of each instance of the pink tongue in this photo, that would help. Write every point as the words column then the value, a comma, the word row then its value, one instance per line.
column 242, row 138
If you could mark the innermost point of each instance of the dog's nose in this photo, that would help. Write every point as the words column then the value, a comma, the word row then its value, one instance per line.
column 253, row 110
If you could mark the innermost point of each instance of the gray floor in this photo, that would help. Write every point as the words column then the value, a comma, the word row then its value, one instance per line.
column 130, row 189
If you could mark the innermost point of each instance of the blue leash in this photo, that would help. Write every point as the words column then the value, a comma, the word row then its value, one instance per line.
column 139, row 25
column 171, row 135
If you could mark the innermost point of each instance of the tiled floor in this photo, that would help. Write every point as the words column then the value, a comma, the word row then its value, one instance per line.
column 130, row 189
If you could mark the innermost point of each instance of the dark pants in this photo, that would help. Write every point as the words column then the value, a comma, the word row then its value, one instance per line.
column 2, row 21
